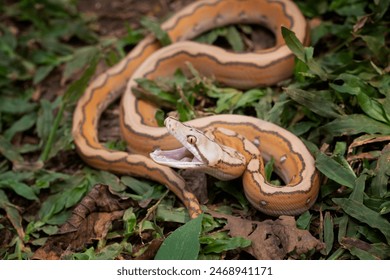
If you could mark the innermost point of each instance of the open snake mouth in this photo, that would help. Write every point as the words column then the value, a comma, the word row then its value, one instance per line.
column 184, row 157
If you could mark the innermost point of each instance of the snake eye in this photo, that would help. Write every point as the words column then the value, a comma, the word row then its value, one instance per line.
column 191, row 139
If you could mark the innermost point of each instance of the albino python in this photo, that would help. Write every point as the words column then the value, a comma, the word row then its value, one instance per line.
column 225, row 146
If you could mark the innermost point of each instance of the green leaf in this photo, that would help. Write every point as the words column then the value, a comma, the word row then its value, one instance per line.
column 183, row 243
column 249, row 97
column 380, row 182
column 20, row 188
column 9, row 152
column 335, row 171
column 130, row 222
column 364, row 214
column 161, row 35
column 220, row 242
column 328, row 233
column 317, row 102
column 23, row 124
column 355, row 86
column 358, row 191
column 77, row 88
column 269, row 169
column 354, row 124
column 12, row 213
column 42, row 72
column 230, row 187
column 153, row 92
column 234, row 39
column 45, row 120
column 167, row 213
column 81, row 58
column 303, row 222
column 16, row 106
column 109, row 252
column 302, row 53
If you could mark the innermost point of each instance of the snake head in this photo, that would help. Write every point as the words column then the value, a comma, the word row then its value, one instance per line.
column 199, row 151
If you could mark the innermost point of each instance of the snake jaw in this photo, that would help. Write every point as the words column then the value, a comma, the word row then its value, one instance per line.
column 178, row 158
column 187, row 156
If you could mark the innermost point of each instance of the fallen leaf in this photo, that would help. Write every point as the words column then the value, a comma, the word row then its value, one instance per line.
column 90, row 221
column 272, row 240
column 151, row 250
column 367, row 139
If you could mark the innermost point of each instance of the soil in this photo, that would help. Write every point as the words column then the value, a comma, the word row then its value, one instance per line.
column 114, row 16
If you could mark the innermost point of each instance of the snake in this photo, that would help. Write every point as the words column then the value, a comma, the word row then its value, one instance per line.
column 155, row 153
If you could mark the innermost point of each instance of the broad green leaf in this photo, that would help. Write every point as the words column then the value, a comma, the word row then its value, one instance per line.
column 234, row 39
column 303, row 221
column 81, row 58
column 269, row 169
column 343, row 224
column 385, row 208
column 109, row 252
column 20, row 188
column 231, row 188
column 355, row 86
column 77, row 88
column 335, row 171
column 328, row 233
column 348, row 8
column 380, row 182
column 9, row 152
column 161, row 35
column 354, row 124
column 12, row 213
column 183, row 243
column 364, row 214
column 153, row 92
column 16, row 106
column 23, row 124
column 358, row 191
column 221, row 242
column 361, row 254
column 45, row 119
column 315, row 102
column 168, row 213
column 130, row 222
column 305, row 54
column 42, row 72
column 145, row 190
column 249, row 97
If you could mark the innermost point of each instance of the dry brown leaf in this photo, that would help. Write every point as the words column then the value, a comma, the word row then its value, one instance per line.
column 90, row 221
column 272, row 240
column 151, row 250
column 367, row 139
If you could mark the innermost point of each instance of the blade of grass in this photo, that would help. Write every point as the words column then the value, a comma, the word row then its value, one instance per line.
column 364, row 214
column 354, row 124
column 72, row 93
column 379, row 184
column 328, row 233
column 315, row 102
column 335, row 171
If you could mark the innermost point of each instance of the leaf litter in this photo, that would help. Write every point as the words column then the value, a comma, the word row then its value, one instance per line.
column 272, row 239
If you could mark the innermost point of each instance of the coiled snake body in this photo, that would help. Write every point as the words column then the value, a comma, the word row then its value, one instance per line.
column 243, row 134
